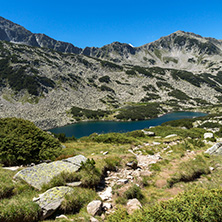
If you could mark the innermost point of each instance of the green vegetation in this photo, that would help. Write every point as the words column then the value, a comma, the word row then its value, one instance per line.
column 179, row 95
column 190, row 170
column 149, row 88
column 105, row 79
column 195, row 205
column 18, row 79
column 139, row 112
column 150, row 96
column 110, row 65
column 162, row 84
column 188, row 123
column 106, row 88
column 78, row 113
column 78, row 199
column 21, row 142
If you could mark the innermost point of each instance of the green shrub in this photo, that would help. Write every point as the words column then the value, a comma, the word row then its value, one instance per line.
column 195, row 205
column 89, row 174
column 21, row 142
column 116, row 138
column 133, row 192
column 112, row 163
column 105, row 79
column 139, row 112
column 179, row 95
column 188, row 123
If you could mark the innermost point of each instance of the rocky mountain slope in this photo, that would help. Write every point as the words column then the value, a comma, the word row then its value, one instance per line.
column 40, row 83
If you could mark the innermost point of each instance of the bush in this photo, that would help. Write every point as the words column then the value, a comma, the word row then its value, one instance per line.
column 112, row 163
column 133, row 192
column 116, row 138
column 89, row 174
column 196, row 205
column 21, row 142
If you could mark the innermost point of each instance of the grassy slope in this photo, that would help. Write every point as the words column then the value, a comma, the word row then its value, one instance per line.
column 183, row 168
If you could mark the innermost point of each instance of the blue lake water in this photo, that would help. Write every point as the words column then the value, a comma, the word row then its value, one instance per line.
column 86, row 128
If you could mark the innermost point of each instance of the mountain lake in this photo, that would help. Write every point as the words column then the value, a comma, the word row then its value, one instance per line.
column 86, row 128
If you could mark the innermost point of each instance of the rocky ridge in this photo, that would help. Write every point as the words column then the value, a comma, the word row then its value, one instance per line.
column 43, row 84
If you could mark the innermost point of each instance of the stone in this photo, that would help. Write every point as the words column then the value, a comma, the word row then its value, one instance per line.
column 51, row 200
column 107, row 194
column 107, row 206
column 208, row 135
column 171, row 135
column 62, row 216
column 211, row 168
column 156, row 143
column 105, row 153
column 215, row 149
column 94, row 207
column 122, row 181
column 132, row 205
column 93, row 219
column 13, row 168
column 74, row 184
column 42, row 173
column 148, row 133
column 132, row 164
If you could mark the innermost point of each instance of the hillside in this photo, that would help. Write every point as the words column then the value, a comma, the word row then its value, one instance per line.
column 48, row 85
column 168, row 171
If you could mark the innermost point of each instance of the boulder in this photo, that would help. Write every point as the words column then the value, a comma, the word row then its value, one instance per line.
column 215, row 149
column 132, row 205
column 42, row 173
column 107, row 194
column 171, row 135
column 51, row 200
column 94, row 207
column 208, row 135
column 148, row 133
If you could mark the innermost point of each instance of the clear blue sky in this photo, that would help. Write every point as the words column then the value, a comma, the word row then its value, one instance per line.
column 96, row 23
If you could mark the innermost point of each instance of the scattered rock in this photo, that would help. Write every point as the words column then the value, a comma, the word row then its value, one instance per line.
column 148, row 133
column 94, row 207
column 93, row 219
column 156, row 143
column 13, row 168
column 42, row 173
column 105, row 153
column 171, row 135
column 208, row 135
column 107, row 194
column 132, row 205
column 122, row 181
column 107, row 206
column 132, row 164
column 74, row 184
column 51, row 200
column 62, row 216
column 211, row 168
column 215, row 149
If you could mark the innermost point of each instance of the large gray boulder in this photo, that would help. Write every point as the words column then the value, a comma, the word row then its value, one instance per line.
column 215, row 149
column 42, row 173
column 51, row 200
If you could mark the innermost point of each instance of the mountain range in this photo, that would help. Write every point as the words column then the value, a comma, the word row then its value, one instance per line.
column 41, row 78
